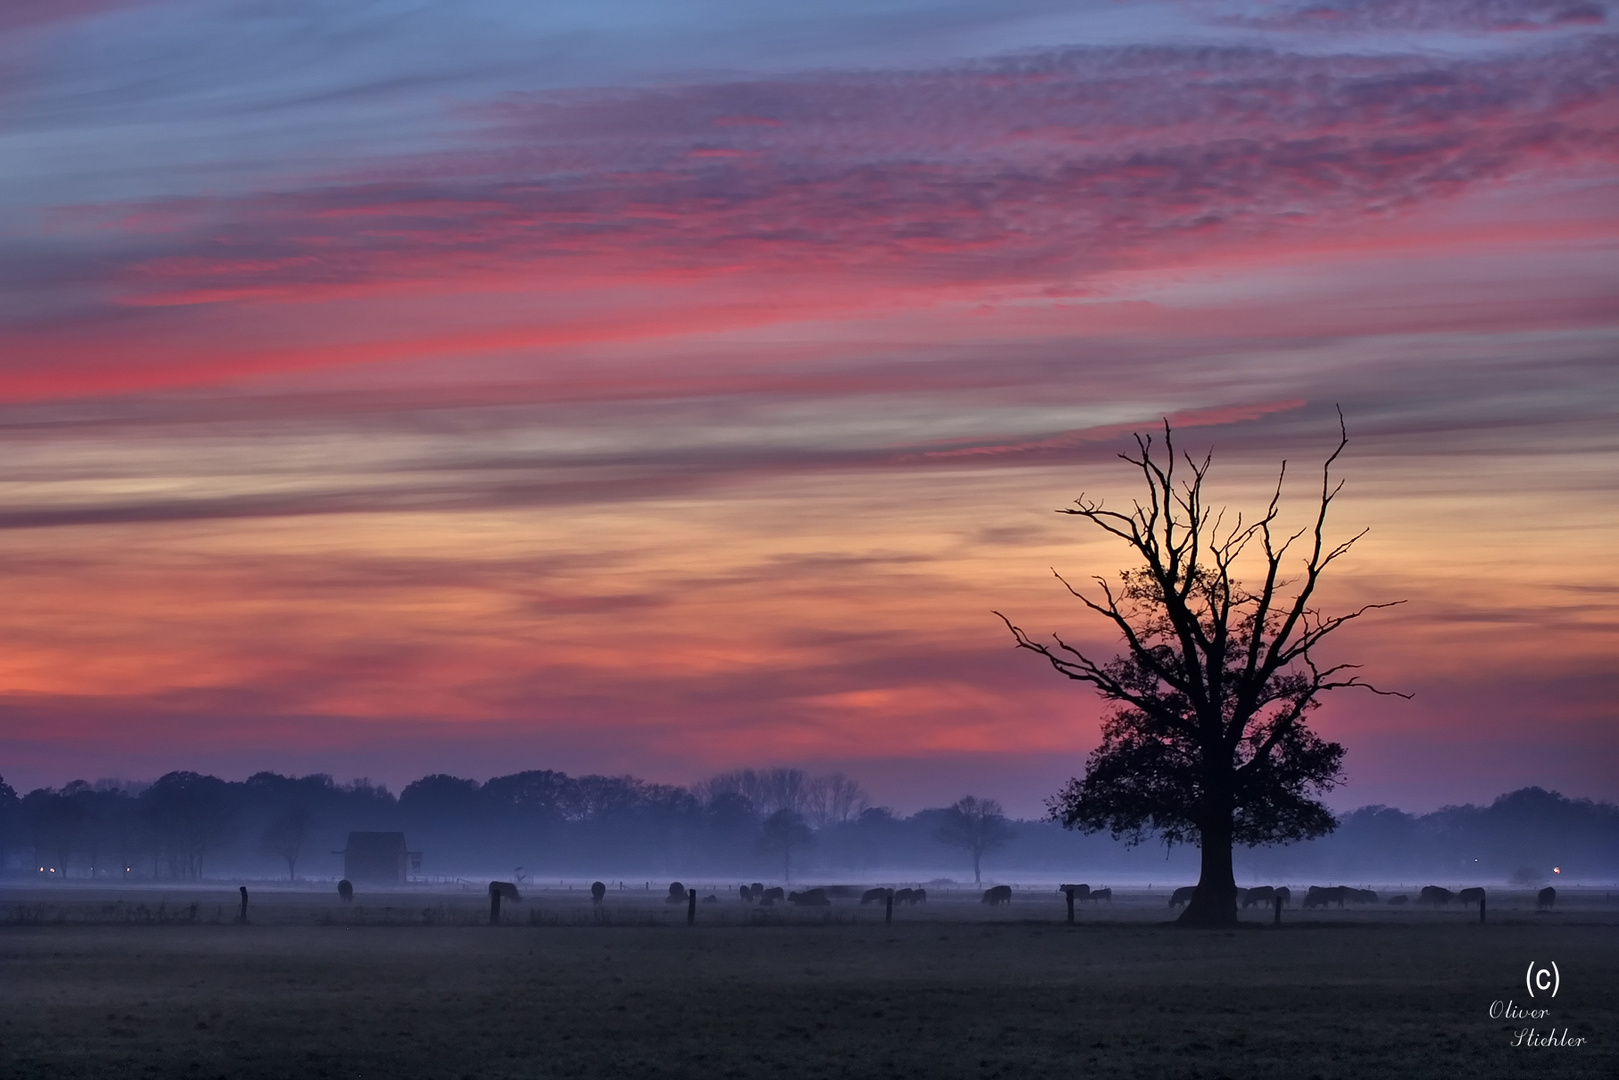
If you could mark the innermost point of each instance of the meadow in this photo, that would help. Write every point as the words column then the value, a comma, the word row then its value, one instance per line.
column 138, row 982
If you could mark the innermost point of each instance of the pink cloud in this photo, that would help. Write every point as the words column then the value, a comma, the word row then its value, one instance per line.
column 1477, row 16
column 1185, row 152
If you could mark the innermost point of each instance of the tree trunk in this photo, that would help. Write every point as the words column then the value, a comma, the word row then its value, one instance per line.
column 1215, row 901
column 976, row 879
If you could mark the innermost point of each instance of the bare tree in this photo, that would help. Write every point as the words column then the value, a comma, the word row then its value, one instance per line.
column 769, row 790
column 1208, row 742
column 286, row 835
column 834, row 799
column 783, row 831
column 977, row 826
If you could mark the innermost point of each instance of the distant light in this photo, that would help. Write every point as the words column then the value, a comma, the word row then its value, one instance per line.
column 1557, row 869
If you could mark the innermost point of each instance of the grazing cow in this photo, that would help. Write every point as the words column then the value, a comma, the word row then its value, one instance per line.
column 1081, row 892
column 1182, row 896
column 711, row 899
column 810, row 898
column 1363, row 896
column 1258, row 896
column 1399, row 901
column 1545, row 898
column 904, row 896
column 1320, row 896
column 747, row 894
column 997, row 894
column 1102, row 894
column 1471, row 896
column 875, row 896
column 1284, row 894
column 770, row 896
column 345, row 891
column 677, row 893
column 758, row 890
column 598, row 890
column 1433, row 894
column 919, row 896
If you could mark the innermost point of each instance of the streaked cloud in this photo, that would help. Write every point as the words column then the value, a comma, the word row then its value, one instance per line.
column 368, row 378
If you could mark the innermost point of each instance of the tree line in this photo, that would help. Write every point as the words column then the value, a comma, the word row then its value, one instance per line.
column 778, row 823
column 188, row 826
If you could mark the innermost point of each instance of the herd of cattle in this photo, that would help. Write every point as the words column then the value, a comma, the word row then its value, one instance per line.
column 1318, row 896
column 756, row 893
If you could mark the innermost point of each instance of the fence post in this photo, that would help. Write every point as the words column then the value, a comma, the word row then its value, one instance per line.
column 1480, row 908
column 691, row 908
column 494, row 905
column 1069, row 893
column 244, row 902
column 888, row 909
column 1278, row 919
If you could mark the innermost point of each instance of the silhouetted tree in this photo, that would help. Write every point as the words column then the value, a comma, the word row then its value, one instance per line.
column 602, row 800
column 190, row 816
column 977, row 826
column 537, row 796
column 8, row 819
column 286, row 835
column 104, row 818
column 1208, row 743
column 441, row 798
column 53, row 820
column 769, row 790
column 783, row 831
column 833, row 800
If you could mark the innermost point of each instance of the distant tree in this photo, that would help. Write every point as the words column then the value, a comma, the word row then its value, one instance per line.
column 8, row 818
column 601, row 799
column 876, row 817
column 105, row 812
column 769, row 790
column 536, row 796
column 978, row 827
column 190, row 816
column 54, row 820
column 834, row 799
column 286, row 835
column 1208, row 742
column 441, row 798
column 731, row 825
column 784, row 831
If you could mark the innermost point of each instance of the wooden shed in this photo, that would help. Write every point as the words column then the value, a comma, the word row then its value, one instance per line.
column 377, row 858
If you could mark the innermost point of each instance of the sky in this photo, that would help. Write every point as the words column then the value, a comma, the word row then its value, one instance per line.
column 392, row 388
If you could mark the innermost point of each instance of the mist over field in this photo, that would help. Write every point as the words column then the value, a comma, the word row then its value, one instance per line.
column 544, row 825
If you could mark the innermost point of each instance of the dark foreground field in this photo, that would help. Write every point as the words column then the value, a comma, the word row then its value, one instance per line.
column 963, row 991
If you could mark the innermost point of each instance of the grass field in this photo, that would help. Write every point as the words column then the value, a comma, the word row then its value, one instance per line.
column 132, row 983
